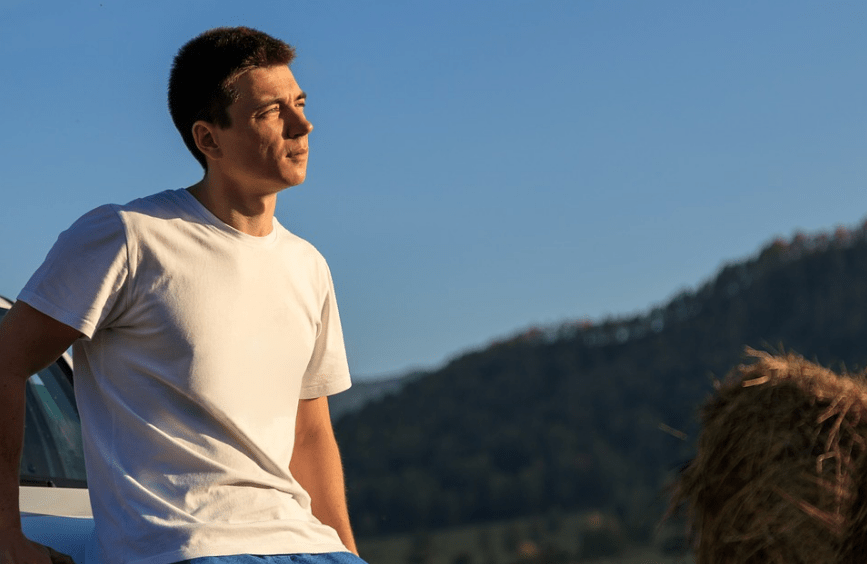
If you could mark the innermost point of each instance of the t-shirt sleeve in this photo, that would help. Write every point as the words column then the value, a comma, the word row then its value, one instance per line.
column 328, row 370
column 80, row 281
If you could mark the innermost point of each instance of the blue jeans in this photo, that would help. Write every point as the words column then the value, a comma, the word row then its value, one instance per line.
column 326, row 558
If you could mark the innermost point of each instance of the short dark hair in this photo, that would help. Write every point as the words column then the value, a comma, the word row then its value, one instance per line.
column 201, row 83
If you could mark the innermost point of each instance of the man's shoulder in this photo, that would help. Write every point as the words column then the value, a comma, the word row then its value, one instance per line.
column 167, row 200
column 157, row 212
column 289, row 238
column 162, row 201
column 301, row 251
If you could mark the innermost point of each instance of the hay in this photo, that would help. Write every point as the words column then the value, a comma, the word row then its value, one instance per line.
column 780, row 473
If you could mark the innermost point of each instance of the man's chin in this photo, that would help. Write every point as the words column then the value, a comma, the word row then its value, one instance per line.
column 295, row 180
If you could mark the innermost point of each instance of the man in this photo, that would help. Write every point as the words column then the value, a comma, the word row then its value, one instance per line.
column 205, row 336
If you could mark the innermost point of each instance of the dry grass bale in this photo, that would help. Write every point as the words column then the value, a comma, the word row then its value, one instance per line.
column 781, row 467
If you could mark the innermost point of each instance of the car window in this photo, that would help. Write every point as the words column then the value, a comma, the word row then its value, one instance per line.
column 52, row 454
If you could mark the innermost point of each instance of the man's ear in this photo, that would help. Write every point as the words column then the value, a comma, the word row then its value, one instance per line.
column 205, row 136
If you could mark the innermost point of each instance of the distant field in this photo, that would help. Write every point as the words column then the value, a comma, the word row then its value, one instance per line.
column 590, row 538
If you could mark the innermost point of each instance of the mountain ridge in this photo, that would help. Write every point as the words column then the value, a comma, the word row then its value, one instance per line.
column 595, row 415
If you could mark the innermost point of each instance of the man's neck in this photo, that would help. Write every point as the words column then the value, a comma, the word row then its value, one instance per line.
column 250, row 214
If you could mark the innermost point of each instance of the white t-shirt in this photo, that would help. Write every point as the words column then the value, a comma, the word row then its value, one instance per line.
column 199, row 342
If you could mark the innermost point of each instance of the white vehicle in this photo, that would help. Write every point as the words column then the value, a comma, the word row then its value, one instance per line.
column 55, row 506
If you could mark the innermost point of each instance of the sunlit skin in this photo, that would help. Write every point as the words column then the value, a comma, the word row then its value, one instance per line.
column 262, row 152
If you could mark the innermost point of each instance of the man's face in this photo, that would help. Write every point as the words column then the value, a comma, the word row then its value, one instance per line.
column 265, row 148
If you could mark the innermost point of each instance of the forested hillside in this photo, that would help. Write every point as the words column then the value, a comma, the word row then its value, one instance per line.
column 595, row 416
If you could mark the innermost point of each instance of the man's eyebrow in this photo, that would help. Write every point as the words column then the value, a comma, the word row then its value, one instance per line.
column 301, row 96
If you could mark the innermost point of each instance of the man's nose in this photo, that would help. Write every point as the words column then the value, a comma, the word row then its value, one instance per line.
column 297, row 126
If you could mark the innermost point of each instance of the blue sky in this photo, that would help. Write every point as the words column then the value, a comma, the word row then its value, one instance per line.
column 476, row 167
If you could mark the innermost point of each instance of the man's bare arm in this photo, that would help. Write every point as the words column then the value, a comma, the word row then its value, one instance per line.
column 316, row 465
column 29, row 341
